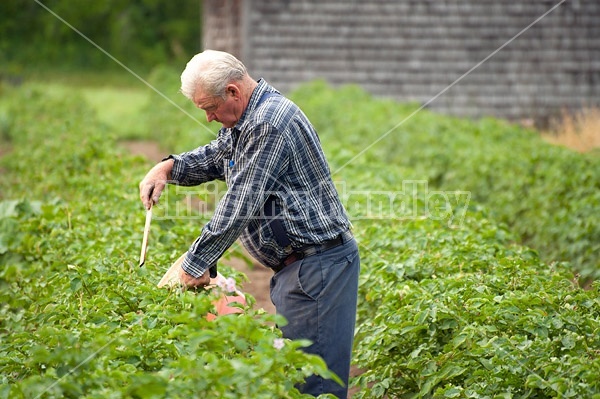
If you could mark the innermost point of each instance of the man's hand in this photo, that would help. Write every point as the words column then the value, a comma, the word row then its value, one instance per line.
column 190, row 281
column 154, row 183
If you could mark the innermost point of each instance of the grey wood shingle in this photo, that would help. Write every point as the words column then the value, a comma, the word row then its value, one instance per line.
column 412, row 49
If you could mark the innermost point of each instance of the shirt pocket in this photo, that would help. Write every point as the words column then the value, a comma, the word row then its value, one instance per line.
column 228, row 164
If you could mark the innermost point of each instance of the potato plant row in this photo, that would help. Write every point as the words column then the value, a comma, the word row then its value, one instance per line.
column 78, row 317
column 451, row 303
column 548, row 195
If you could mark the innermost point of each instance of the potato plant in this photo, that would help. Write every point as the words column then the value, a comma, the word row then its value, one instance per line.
column 78, row 317
column 548, row 195
column 465, row 313
column 452, row 304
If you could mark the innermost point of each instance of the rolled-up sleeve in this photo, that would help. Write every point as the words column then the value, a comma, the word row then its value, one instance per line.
column 198, row 166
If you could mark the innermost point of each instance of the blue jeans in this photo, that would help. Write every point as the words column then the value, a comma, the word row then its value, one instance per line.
column 317, row 295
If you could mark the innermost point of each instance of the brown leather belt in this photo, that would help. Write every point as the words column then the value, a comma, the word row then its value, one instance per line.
column 311, row 250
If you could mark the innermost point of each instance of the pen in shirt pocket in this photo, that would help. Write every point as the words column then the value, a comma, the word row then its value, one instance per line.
column 231, row 163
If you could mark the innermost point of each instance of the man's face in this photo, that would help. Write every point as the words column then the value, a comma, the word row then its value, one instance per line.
column 226, row 111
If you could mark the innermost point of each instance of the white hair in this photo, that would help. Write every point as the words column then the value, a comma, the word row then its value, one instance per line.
column 211, row 71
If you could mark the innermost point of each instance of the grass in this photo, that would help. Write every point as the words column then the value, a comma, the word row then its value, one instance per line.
column 577, row 130
column 118, row 108
column 115, row 106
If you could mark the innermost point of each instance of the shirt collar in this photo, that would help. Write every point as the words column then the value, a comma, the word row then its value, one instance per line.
column 257, row 93
column 262, row 88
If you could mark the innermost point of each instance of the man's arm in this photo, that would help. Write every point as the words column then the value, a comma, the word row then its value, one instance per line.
column 188, row 169
column 201, row 165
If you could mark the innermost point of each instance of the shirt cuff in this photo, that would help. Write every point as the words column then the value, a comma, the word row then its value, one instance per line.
column 179, row 166
column 196, row 268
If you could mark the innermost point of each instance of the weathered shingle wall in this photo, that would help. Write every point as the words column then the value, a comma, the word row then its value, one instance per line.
column 414, row 49
column 222, row 25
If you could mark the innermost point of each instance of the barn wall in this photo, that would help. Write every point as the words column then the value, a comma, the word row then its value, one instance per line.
column 412, row 50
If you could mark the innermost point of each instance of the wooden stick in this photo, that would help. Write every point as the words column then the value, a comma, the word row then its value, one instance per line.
column 146, row 233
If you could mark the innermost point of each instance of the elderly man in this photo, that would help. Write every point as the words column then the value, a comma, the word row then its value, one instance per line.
column 280, row 201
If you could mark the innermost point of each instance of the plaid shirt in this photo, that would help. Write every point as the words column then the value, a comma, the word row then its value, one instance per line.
column 272, row 150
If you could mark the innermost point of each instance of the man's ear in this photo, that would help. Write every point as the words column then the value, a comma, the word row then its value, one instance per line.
column 233, row 91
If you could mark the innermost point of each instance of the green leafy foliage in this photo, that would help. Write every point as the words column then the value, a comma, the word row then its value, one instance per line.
column 137, row 33
column 464, row 313
column 78, row 317
column 548, row 195
column 451, row 304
